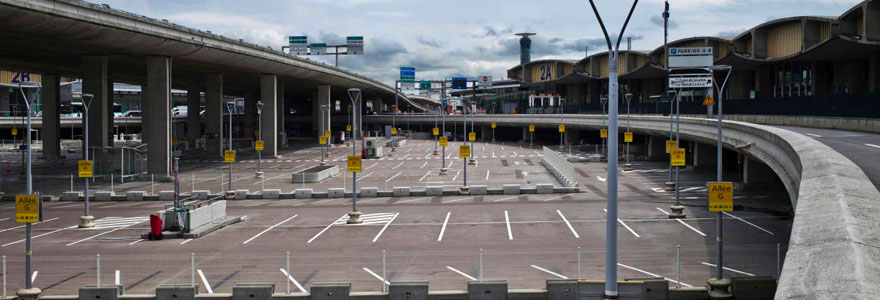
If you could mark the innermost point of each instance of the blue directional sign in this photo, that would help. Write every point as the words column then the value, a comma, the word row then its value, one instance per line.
column 23, row 147
column 407, row 74
column 459, row 83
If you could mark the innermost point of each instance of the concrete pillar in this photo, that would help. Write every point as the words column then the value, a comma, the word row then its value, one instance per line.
column 269, row 132
column 156, row 117
column 525, row 134
column 193, row 126
column 214, row 113
column 485, row 133
column 282, row 131
column 4, row 100
column 322, row 99
column 96, row 82
column 250, row 115
column 51, row 133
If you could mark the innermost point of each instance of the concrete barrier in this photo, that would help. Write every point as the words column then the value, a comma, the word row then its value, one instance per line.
column 753, row 288
column 207, row 214
column 177, row 292
column 560, row 167
column 271, row 193
column 330, row 291
column 434, row 191
column 166, row 195
column 315, row 174
column 415, row 290
column 199, row 194
column 544, row 188
column 71, row 196
column 487, row 290
column 511, row 189
column 241, row 194
column 253, row 291
column 400, row 191
column 336, row 193
column 103, row 195
column 99, row 293
column 478, row 190
column 135, row 195
column 369, row 192
column 302, row 193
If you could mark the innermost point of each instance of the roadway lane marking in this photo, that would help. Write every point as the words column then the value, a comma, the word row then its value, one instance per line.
column 296, row 283
column 36, row 236
column 397, row 166
column 456, row 175
column 624, row 225
column 813, row 135
column 392, row 177
column 747, row 222
column 205, row 281
column 34, row 276
column 94, row 236
column 487, row 175
column 426, row 175
column 373, row 165
column 267, row 229
column 365, row 176
column 385, row 227
column 461, row 273
column 569, row 226
column 557, row 197
column 22, row 226
column 507, row 220
column 652, row 274
column 325, row 229
column 186, row 241
column 683, row 223
column 729, row 269
column 872, row 145
column 443, row 228
column 423, row 165
column 550, row 272
column 376, row 275
column 600, row 178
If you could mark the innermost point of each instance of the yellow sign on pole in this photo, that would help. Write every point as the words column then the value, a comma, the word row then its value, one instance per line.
column 670, row 145
column 27, row 209
column 472, row 136
column 174, row 142
column 678, row 157
column 393, row 130
column 354, row 163
column 327, row 133
column 85, row 168
column 14, row 131
column 436, row 131
column 322, row 140
column 229, row 156
column 627, row 137
column 256, row 132
column 531, row 128
column 720, row 196
column 603, row 133
column 561, row 127
column 493, row 124
column 464, row 151
column 347, row 127
column 708, row 101
column 443, row 141
column 258, row 145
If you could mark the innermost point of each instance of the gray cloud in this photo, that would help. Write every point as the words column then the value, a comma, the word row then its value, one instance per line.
column 489, row 31
column 430, row 42
column 730, row 33
column 657, row 20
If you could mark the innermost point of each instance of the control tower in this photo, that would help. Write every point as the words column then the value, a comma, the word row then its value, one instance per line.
column 525, row 47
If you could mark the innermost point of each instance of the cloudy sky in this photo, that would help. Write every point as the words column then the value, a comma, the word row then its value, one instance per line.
column 449, row 38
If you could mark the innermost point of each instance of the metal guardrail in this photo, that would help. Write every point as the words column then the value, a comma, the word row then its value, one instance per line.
column 559, row 165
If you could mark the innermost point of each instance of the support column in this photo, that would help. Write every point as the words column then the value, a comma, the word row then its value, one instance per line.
column 322, row 99
column 156, row 116
column 214, row 113
column 269, row 132
column 4, row 101
column 95, row 82
column 51, row 133
column 282, row 131
column 193, row 126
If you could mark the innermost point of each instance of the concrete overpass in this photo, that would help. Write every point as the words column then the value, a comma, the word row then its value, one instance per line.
column 101, row 45
column 833, row 248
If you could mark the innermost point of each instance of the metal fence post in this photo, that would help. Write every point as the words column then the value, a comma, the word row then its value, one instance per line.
column 152, row 184
column 98, row 267
column 111, row 183
column 579, row 263
column 288, row 273
column 4, row 276
column 384, row 280
column 481, row 264
column 192, row 269
column 678, row 266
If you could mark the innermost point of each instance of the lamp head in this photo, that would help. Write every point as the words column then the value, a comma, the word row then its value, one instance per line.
column 354, row 94
column 259, row 106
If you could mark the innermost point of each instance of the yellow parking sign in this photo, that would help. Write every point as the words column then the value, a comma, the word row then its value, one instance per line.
column 561, row 127
column 14, row 131
column 670, row 144
column 677, row 157
column 354, row 163
column 720, row 196
column 464, row 151
column 627, row 137
column 229, row 156
column 174, row 142
column 327, row 133
column 472, row 136
column 85, row 168
column 493, row 124
column 603, row 133
column 258, row 145
column 347, row 127
column 443, row 141
column 531, row 128
column 322, row 140
column 27, row 209
column 436, row 131
column 257, row 132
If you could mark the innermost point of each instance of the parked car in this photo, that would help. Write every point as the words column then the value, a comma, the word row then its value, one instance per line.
column 132, row 113
column 179, row 111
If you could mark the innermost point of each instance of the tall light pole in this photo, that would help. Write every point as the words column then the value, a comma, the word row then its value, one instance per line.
column 324, row 109
column 354, row 217
column 628, row 97
column 394, row 116
column 443, row 101
column 230, row 106
column 604, row 126
column 29, row 288
column 670, row 185
column 85, row 221
column 719, row 271
column 611, row 218
column 473, row 108
column 260, row 138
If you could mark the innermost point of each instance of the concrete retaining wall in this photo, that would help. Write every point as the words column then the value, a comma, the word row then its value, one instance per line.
column 207, row 214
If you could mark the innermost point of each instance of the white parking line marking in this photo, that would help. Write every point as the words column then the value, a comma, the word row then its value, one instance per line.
column 459, row 199
column 624, row 225
column 186, row 241
column 413, row 200
column 392, row 177
column 813, row 135
column 423, row 165
column 296, row 283
column 267, row 229
column 557, row 197
column 487, row 174
column 426, row 175
column 365, row 176
column 652, row 274
column 135, row 242
column 325, row 229
column 385, row 227
column 94, row 236
column 373, row 165
column 461, row 273
column 397, row 166
column 117, row 278
column 443, row 228
column 505, row 198
column 507, row 220
column 36, row 236
column 600, row 178
column 376, row 275
column 34, row 276
column 683, row 223
column 205, row 281
column 456, row 174
column 568, row 224
column 872, row 145
column 22, row 226
column 729, row 269
column 747, row 222
column 550, row 272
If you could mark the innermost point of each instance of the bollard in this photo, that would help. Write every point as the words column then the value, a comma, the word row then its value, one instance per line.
column 384, row 279
column 71, row 182
column 288, row 273
column 192, row 269
column 98, row 268
column 481, row 264
column 579, row 263
column 678, row 266
column 152, row 185
column 111, row 183
column 193, row 183
column 4, row 276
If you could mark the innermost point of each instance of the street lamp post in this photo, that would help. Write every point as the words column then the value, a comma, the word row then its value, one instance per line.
column 324, row 109
column 394, row 116
column 603, row 101
column 29, row 292
column 719, row 271
column 670, row 185
column 230, row 106
column 628, row 97
column 561, row 124
column 354, row 217
column 260, row 138
column 611, row 218
column 85, row 221
column 443, row 169
column 436, row 136
column 473, row 109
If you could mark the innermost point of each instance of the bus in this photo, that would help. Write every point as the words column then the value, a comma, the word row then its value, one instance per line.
column 75, row 109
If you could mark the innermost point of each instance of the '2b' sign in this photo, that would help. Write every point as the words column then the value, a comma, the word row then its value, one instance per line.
column 720, row 196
